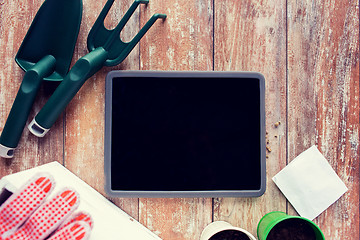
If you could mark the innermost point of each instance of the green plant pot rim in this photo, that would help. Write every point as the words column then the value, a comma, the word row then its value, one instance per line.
column 275, row 222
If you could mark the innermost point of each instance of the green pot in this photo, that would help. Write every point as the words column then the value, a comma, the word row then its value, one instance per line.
column 268, row 222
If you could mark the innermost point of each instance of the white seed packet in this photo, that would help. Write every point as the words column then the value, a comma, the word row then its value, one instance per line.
column 310, row 184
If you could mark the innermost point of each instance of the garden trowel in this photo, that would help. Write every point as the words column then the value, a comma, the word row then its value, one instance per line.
column 45, row 54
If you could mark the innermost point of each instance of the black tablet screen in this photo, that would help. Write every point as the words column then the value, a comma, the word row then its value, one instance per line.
column 185, row 134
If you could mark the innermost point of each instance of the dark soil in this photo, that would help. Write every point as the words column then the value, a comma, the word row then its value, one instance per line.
column 292, row 229
column 230, row 235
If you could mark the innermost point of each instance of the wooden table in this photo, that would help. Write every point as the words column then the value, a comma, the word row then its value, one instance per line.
column 308, row 52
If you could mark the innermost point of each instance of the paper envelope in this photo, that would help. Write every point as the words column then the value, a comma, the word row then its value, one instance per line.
column 310, row 184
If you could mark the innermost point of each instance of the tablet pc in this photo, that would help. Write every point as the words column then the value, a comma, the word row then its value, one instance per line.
column 185, row 134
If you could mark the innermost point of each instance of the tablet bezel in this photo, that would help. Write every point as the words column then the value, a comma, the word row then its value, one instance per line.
column 181, row 74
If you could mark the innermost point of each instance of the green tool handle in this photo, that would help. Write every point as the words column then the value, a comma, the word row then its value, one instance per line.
column 22, row 105
column 83, row 69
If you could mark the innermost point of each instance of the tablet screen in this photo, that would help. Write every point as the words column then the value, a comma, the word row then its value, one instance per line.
column 185, row 134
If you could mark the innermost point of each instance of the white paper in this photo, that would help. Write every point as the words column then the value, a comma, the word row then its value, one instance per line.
column 310, row 184
column 110, row 222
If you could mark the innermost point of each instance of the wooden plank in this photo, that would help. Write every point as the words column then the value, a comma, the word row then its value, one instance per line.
column 175, row 218
column 84, row 126
column 251, row 36
column 16, row 18
column 182, row 42
column 324, row 99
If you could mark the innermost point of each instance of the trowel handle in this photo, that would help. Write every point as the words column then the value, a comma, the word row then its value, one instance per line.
column 83, row 69
column 22, row 105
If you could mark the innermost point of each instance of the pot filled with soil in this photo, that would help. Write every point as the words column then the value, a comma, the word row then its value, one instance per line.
column 280, row 226
column 221, row 230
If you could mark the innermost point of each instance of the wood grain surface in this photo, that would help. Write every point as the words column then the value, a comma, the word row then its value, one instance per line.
column 251, row 36
column 323, row 99
column 308, row 52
